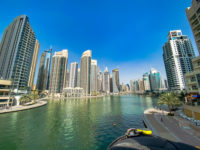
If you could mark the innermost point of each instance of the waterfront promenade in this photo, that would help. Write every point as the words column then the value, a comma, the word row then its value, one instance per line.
column 21, row 108
column 172, row 127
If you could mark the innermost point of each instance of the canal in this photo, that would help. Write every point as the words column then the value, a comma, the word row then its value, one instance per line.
column 82, row 124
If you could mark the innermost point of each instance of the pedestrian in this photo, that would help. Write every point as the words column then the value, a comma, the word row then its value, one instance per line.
column 161, row 119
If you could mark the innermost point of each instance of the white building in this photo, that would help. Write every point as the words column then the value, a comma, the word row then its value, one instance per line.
column 85, row 72
column 73, row 92
column 178, row 53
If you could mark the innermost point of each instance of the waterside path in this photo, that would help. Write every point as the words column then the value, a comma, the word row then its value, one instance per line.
column 171, row 128
column 21, row 108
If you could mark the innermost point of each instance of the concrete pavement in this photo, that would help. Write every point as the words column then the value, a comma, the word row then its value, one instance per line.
column 20, row 107
column 170, row 127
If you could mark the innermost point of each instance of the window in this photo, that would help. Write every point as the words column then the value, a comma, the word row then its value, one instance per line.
column 198, row 79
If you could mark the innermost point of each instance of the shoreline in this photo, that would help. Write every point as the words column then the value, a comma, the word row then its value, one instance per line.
column 83, row 97
column 22, row 108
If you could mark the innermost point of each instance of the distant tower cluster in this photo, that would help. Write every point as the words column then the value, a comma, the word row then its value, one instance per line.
column 151, row 82
column 19, row 50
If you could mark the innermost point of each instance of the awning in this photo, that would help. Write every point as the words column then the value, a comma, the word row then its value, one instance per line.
column 196, row 96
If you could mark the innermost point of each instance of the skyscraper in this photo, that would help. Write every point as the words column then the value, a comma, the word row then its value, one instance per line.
column 93, row 78
column 78, row 78
column 115, row 79
column 106, row 81
column 85, row 71
column 146, row 82
column 33, row 65
column 73, row 75
column 99, row 81
column 16, row 52
column 136, row 86
column 178, row 53
column 44, row 71
column 193, row 18
column 58, row 71
column 66, row 81
column 111, row 84
column 131, row 85
column 141, row 86
column 192, row 79
column 155, row 80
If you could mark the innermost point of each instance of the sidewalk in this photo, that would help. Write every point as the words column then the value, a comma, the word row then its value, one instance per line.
column 20, row 107
column 172, row 128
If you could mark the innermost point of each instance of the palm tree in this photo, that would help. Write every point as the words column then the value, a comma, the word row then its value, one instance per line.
column 170, row 99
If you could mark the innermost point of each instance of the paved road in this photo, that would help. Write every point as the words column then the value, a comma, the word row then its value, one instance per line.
column 178, row 130
column 171, row 128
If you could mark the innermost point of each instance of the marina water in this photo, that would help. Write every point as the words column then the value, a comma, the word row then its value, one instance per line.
column 75, row 124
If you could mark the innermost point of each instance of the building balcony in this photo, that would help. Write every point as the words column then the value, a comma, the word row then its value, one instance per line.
column 4, row 97
column 192, row 91
column 4, row 90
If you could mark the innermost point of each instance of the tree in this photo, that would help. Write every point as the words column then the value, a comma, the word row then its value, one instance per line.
column 34, row 96
column 170, row 99
column 182, row 96
column 24, row 99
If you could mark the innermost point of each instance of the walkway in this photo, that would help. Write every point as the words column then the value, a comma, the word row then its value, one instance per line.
column 20, row 107
column 172, row 128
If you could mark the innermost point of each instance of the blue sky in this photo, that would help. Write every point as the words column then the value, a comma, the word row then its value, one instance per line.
column 128, row 34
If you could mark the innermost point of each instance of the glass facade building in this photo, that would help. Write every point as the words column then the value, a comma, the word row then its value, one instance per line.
column 115, row 80
column 16, row 52
column 44, row 71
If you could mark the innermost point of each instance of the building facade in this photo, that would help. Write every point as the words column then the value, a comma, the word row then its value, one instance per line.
column 5, row 96
column 146, row 82
column 73, row 75
column 111, row 85
column 136, row 86
column 193, row 14
column 44, row 71
column 115, row 80
column 85, row 72
column 99, row 81
column 178, row 53
column 155, row 80
column 78, row 78
column 192, row 78
column 58, row 71
column 16, row 52
column 106, row 81
column 93, row 79
column 33, row 65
